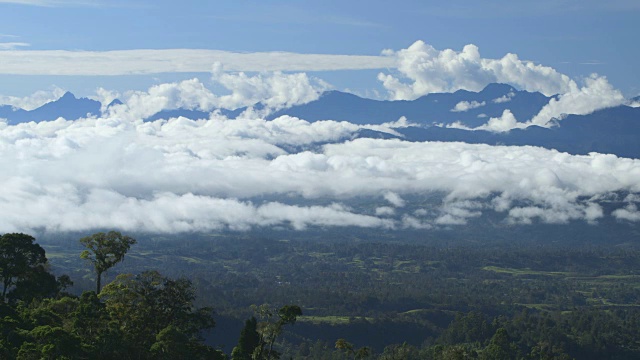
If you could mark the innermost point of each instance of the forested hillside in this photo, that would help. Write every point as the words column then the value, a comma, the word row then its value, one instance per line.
column 353, row 299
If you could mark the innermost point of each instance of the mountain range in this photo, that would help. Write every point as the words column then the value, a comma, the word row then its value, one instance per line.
column 68, row 107
column 612, row 130
column 469, row 108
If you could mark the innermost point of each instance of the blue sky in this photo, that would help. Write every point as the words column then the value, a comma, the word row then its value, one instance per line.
column 575, row 38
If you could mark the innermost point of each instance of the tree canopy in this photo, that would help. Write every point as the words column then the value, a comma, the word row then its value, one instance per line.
column 104, row 250
column 22, row 262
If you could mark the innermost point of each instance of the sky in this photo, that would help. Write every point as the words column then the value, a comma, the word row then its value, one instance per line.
column 114, row 171
column 576, row 38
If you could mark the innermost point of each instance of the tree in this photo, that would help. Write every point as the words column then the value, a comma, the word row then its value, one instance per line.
column 249, row 340
column 362, row 353
column 271, row 327
column 20, row 257
column 500, row 347
column 151, row 309
column 104, row 251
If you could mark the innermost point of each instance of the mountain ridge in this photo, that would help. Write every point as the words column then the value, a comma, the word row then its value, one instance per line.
column 611, row 130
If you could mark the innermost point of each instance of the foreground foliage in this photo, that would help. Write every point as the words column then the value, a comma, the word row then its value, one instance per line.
column 361, row 300
column 145, row 316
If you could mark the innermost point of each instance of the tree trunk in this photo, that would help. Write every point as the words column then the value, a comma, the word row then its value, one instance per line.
column 98, row 281
column 4, row 291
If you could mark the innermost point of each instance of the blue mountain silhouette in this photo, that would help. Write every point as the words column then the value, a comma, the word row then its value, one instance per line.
column 437, row 108
column 68, row 107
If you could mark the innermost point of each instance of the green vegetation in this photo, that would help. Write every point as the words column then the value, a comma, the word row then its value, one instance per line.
column 361, row 300
column 104, row 251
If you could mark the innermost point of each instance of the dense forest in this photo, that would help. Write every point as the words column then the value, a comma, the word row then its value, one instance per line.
column 331, row 299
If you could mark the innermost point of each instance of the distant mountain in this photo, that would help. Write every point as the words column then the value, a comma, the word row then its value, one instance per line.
column 614, row 130
column 189, row 114
column 610, row 131
column 470, row 108
column 68, row 107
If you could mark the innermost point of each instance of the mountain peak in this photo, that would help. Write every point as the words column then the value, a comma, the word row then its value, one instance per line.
column 67, row 96
column 115, row 102
column 336, row 93
column 497, row 89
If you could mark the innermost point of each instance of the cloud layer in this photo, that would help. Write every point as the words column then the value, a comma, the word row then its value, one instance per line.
column 422, row 70
column 128, row 62
column 273, row 90
column 176, row 175
column 184, row 175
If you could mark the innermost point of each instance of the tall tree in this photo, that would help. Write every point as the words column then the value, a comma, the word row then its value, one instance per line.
column 104, row 251
column 271, row 327
column 19, row 257
column 249, row 340
column 152, row 309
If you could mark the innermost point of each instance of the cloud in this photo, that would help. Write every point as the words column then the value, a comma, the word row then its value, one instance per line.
column 466, row 106
column 504, row 98
column 424, row 69
column 162, row 213
column 596, row 94
column 34, row 100
column 394, row 199
column 629, row 213
column 187, row 94
column 149, row 61
column 178, row 174
column 458, row 212
column 385, row 211
column 13, row 45
column 555, row 214
column 410, row 222
column 274, row 89
column 505, row 122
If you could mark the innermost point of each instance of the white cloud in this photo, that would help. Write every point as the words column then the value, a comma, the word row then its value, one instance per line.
column 457, row 212
column 556, row 214
column 410, row 222
column 385, row 211
column 188, row 94
column 466, row 106
column 596, row 94
column 394, row 199
column 13, row 45
column 505, row 122
column 34, row 100
column 629, row 213
column 190, row 175
column 105, row 97
column 275, row 89
column 424, row 69
column 504, row 98
column 139, row 61
column 161, row 213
